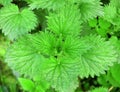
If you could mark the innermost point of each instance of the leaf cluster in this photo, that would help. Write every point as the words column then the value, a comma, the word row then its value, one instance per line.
column 72, row 42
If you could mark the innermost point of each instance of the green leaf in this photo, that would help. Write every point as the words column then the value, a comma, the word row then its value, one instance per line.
column 93, row 22
column 48, row 57
column 98, row 58
column 26, row 84
column 5, row 2
column 61, row 73
column 74, row 47
column 90, row 9
column 103, row 80
column 49, row 4
column 102, row 32
column 65, row 22
column 116, row 43
column 45, row 42
column 15, row 22
column 115, row 73
column 111, row 80
column 104, row 24
column 115, row 3
column 23, row 56
column 100, row 89
column 41, row 85
column 108, row 15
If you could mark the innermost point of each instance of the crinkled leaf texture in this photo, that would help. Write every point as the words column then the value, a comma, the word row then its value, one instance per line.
column 60, row 55
column 61, row 73
column 5, row 2
column 49, row 4
column 90, row 9
column 31, row 56
column 98, row 58
column 24, row 57
column 15, row 22
column 45, row 56
column 65, row 22
column 110, row 16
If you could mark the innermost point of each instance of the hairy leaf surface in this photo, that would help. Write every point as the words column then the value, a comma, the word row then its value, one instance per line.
column 24, row 57
column 98, row 58
column 15, row 22
column 109, row 16
column 65, row 22
column 90, row 9
column 49, row 4
column 44, row 55
column 61, row 73
column 5, row 2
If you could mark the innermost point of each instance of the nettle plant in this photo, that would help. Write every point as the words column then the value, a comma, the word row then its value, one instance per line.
column 77, row 38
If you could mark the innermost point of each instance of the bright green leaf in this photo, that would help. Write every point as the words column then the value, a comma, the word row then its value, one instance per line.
column 93, row 22
column 24, row 57
column 114, row 71
column 49, row 4
column 15, row 22
column 115, row 3
column 108, row 15
column 102, row 32
column 90, row 9
column 5, row 2
column 61, row 73
column 98, row 58
column 104, row 24
column 26, row 84
column 34, row 53
column 66, row 22
column 116, row 43
column 41, row 85
column 111, row 80
column 100, row 89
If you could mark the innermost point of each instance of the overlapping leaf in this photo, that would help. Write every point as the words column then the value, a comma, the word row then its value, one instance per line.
column 58, row 55
column 31, row 56
column 15, row 22
column 109, row 16
column 90, row 9
column 49, row 4
column 115, row 3
column 65, row 22
column 99, row 57
column 5, row 2
column 115, row 74
column 74, row 47
column 24, row 57
column 61, row 73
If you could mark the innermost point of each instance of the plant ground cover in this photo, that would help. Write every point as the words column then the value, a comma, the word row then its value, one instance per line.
column 59, row 45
